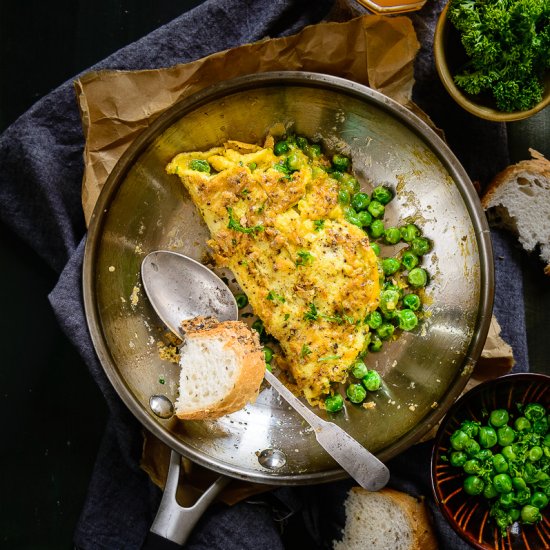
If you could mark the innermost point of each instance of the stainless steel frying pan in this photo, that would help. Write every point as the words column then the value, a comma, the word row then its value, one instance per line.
column 142, row 209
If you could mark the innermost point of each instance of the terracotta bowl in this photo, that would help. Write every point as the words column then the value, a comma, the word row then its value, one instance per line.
column 450, row 56
column 469, row 515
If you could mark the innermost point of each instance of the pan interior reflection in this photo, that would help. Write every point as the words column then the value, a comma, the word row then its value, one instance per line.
column 273, row 459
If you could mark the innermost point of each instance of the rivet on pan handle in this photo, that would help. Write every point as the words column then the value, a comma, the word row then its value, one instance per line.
column 173, row 523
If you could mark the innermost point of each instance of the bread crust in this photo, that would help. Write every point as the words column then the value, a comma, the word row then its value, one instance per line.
column 423, row 536
column 538, row 165
column 245, row 344
column 507, row 182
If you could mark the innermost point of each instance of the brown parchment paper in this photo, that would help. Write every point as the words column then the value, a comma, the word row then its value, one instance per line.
column 116, row 106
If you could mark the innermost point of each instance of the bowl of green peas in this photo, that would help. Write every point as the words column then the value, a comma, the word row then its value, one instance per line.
column 491, row 463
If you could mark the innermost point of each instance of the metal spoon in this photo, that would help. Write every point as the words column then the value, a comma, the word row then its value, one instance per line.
column 179, row 288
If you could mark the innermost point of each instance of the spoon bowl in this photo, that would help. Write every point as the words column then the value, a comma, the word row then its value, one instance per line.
column 180, row 288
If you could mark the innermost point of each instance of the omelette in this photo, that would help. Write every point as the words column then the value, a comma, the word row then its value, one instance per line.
column 310, row 275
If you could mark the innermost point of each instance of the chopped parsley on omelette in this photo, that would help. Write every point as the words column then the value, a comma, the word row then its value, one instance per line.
column 309, row 274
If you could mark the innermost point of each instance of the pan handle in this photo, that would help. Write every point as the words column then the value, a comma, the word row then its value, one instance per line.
column 173, row 523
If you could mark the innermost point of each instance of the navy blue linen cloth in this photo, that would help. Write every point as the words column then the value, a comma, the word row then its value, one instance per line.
column 41, row 171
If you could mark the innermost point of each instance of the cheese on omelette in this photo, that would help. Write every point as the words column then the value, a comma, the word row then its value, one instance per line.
column 309, row 274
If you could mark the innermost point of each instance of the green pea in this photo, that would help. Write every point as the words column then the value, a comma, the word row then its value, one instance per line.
column 489, row 491
column 509, row 453
column 470, row 427
column 200, row 165
column 359, row 369
column 294, row 162
column 409, row 232
column 351, row 216
column 360, row 201
column 375, row 343
column 356, row 393
column 388, row 302
column 459, row 440
column 473, row 485
column 281, row 147
column 472, row 447
column 407, row 319
column 499, row 417
column 523, row 496
column 539, row 500
column 374, row 319
column 540, row 426
column 340, row 162
column 487, row 437
column 506, row 500
column 313, row 150
column 500, row 464
column 385, row 331
column 334, row 403
column 382, row 194
column 420, row 246
column 458, row 458
column 376, row 208
column 258, row 326
column 505, row 436
column 412, row 301
column 519, row 484
column 268, row 354
column 252, row 166
column 372, row 381
column 390, row 266
column 514, row 514
column 484, row 455
column 472, row 466
column 535, row 453
column 268, row 367
column 376, row 229
column 521, row 424
column 502, row 483
column 392, row 235
column 374, row 246
column 335, row 174
column 301, row 142
column 417, row 277
column 343, row 197
column 242, row 300
column 534, row 411
column 409, row 260
column 366, row 219
column 347, row 181
column 530, row 514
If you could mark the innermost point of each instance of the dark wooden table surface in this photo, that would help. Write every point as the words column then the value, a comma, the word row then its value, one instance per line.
column 53, row 414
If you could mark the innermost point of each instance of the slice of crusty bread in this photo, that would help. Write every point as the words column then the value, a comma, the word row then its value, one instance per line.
column 385, row 520
column 222, row 367
column 519, row 199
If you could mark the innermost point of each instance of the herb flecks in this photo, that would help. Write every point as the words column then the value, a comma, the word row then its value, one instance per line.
column 319, row 224
column 274, row 297
column 304, row 258
column 329, row 358
column 236, row 226
column 306, row 350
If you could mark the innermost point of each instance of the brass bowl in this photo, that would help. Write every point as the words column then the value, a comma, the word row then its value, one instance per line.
column 469, row 515
column 450, row 56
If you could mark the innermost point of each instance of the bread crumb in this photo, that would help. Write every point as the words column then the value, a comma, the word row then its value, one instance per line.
column 111, row 268
column 168, row 352
column 369, row 405
column 412, row 408
column 134, row 297
column 435, row 404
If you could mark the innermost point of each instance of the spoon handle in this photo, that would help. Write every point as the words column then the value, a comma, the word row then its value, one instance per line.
column 358, row 462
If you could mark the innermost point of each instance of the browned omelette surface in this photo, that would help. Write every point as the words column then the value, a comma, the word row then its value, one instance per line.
column 309, row 274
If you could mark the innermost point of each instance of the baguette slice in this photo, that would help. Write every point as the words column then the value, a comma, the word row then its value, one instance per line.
column 222, row 367
column 519, row 198
column 385, row 520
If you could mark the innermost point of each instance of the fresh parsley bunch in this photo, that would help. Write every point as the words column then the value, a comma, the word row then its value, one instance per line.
column 508, row 43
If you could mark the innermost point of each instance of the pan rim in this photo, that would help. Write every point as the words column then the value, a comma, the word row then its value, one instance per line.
column 281, row 79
